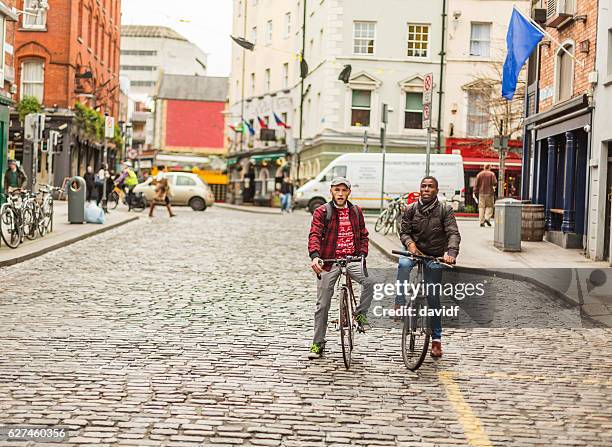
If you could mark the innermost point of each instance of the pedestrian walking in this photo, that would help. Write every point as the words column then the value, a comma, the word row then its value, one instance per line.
column 286, row 195
column 484, row 189
column 162, row 195
column 90, row 183
column 14, row 177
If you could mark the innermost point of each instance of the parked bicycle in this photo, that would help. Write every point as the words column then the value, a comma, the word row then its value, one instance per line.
column 390, row 218
column 15, row 220
column 416, row 331
column 47, row 192
column 346, row 319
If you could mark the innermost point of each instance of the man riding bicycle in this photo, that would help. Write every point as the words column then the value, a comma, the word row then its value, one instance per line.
column 429, row 228
column 127, row 181
column 337, row 230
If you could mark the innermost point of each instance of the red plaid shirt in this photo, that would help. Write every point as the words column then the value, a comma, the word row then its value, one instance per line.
column 322, row 239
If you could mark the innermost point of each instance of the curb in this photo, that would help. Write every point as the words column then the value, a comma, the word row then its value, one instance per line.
column 498, row 274
column 65, row 243
column 247, row 209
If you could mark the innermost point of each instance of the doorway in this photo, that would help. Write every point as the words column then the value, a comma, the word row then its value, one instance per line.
column 608, row 219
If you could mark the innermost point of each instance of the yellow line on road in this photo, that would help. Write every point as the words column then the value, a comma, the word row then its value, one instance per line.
column 472, row 426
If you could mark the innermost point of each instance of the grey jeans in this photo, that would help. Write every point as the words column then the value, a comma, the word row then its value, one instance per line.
column 325, row 291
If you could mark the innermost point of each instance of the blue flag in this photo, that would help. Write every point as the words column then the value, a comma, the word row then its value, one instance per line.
column 521, row 40
column 251, row 130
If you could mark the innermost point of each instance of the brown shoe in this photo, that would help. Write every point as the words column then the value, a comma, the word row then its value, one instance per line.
column 436, row 349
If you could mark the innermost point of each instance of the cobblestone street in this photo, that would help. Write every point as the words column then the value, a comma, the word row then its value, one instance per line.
column 194, row 331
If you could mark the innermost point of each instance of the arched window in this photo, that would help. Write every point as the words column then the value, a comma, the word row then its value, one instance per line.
column 33, row 79
column 564, row 76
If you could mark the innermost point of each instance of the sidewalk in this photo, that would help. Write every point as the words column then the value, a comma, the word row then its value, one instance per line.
column 565, row 273
column 63, row 234
column 254, row 209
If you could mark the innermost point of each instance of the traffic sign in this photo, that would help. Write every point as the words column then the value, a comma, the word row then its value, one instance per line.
column 426, row 116
column 109, row 127
column 427, row 88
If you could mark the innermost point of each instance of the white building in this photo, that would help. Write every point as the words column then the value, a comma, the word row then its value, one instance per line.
column 599, row 244
column 146, row 51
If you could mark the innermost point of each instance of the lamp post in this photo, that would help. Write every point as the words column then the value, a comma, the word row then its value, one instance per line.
column 303, row 74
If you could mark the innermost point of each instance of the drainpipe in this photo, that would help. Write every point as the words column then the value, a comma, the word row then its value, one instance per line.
column 301, row 94
column 440, row 91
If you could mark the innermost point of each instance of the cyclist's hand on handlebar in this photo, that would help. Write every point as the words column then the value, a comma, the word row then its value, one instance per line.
column 449, row 259
column 317, row 265
column 412, row 248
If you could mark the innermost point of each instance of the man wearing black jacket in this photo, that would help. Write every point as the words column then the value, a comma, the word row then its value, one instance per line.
column 429, row 228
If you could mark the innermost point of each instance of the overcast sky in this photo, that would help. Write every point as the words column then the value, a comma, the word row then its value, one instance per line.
column 209, row 24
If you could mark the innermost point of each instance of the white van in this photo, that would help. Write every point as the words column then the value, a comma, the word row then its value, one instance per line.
column 403, row 173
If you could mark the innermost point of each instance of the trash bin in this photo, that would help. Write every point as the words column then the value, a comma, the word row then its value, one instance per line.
column 76, row 200
column 508, row 217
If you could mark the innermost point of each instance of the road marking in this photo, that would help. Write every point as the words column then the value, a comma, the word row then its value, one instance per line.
column 586, row 380
column 472, row 427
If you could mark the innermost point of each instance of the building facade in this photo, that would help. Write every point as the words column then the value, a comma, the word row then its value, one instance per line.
column 149, row 51
column 8, row 19
column 67, row 53
column 600, row 186
column 558, row 152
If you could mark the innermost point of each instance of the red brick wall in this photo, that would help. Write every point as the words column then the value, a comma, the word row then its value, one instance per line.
column 194, row 125
column 577, row 31
column 67, row 48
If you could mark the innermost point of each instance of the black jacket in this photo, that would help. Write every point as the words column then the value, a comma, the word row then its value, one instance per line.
column 90, row 179
column 22, row 179
column 432, row 235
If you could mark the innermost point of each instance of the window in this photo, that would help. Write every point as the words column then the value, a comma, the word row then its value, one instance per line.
column 364, row 34
column 183, row 180
column 610, row 52
column 32, row 79
column 477, row 114
column 336, row 171
column 139, row 67
column 480, row 39
column 254, row 35
column 269, row 33
column 418, row 40
column 142, row 83
column 361, row 108
column 286, row 75
column 138, row 53
column 413, row 115
column 287, row 24
column 252, row 83
column 565, row 73
column 267, row 79
column 36, row 17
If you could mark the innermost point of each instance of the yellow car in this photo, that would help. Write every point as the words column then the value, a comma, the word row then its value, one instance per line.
column 185, row 189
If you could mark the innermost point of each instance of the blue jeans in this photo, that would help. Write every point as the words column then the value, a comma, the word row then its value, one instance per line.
column 432, row 274
column 285, row 200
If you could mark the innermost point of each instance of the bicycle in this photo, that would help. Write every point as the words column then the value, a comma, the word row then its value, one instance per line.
column 15, row 220
column 390, row 218
column 137, row 203
column 416, row 331
column 47, row 205
column 348, row 303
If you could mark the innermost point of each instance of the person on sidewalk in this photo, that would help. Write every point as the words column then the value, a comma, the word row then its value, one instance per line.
column 338, row 230
column 484, row 189
column 90, row 183
column 428, row 228
column 286, row 194
column 14, row 177
column 162, row 195
column 101, row 177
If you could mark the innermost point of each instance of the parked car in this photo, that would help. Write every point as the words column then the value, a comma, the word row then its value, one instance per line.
column 187, row 189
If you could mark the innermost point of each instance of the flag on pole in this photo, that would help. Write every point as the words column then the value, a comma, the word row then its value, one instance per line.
column 237, row 127
column 280, row 122
column 522, row 38
column 251, row 130
column 262, row 123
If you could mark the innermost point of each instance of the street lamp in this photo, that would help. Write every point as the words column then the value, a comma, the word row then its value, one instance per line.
column 345, row 74
column 250, row 46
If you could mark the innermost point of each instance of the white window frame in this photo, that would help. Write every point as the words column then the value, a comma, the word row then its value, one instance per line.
column 408, row 40
column 269, row 32
column 268, row 80
column 254, row 35
column 362, row 42
column 40, row 13
column 467, row 116
column 42, row 82
column 371, row 108
column 557, row 72
column 286, row 75
column 472, row 39
column 406, row 110
column 287, row 24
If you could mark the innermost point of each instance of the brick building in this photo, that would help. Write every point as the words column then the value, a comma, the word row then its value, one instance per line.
column 559, row 113
column 8, row 18
column 68, row 52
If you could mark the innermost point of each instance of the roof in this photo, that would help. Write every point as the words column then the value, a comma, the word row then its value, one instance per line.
column 194, row 88
column 162, row 32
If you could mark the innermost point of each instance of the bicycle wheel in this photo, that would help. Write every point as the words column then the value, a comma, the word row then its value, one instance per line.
column 113, row 201
column 138, row 203
column 382, row 218
column 40, row 221
column 28, row 223
column 415, row 337
column 9, row 227
column 390, row 222
column 48, row 215
column 346, row 328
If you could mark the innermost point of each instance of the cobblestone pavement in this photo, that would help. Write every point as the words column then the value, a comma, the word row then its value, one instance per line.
column 194, row 331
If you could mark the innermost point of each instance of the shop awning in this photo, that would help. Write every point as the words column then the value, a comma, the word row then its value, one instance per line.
column 232, row 161
column 267, row 157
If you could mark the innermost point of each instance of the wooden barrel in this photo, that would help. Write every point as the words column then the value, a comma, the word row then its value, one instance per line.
column 532, row 228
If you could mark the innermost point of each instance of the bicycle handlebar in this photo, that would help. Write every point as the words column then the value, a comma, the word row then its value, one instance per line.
column 346, row 260
column 422, row 258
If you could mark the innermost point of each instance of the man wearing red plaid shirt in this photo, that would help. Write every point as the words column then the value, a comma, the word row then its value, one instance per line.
column 342, row 234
